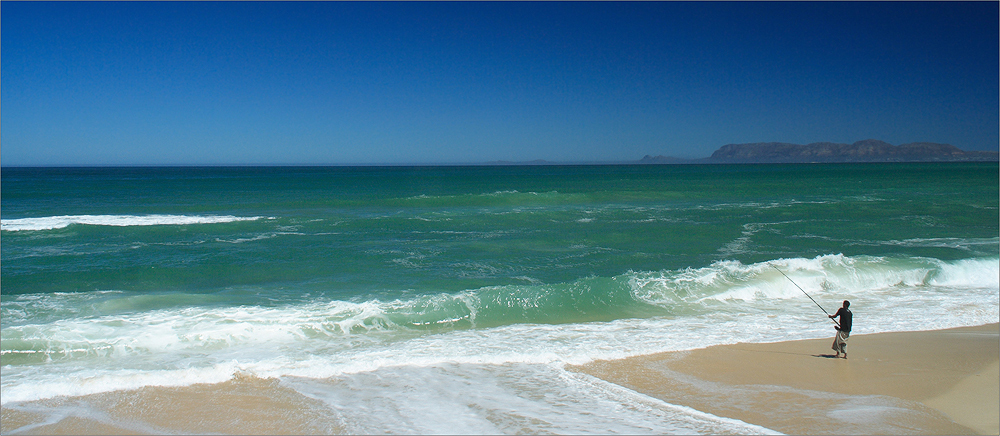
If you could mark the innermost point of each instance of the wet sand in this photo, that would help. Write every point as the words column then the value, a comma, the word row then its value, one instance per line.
column 932, row 382
column 245, row 405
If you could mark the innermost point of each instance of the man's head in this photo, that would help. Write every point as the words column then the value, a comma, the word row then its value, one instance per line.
column 847, row 304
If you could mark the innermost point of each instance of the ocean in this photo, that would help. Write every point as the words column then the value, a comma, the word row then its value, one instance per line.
column 451, row 299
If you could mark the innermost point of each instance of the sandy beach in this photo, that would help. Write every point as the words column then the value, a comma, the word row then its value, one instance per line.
column 244, row 405
column 930, row 382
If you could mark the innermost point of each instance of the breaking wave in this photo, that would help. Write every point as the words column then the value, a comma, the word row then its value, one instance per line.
column 58, row 222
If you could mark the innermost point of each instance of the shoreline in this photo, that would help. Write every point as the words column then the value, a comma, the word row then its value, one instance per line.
column 925, row 382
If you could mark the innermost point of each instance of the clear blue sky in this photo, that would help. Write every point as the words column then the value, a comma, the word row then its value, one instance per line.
column 370, row 83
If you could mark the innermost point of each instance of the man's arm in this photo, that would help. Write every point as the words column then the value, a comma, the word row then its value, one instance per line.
column 839, row 313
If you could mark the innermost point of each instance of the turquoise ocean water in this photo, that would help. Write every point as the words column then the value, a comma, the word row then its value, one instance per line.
column 449, row 299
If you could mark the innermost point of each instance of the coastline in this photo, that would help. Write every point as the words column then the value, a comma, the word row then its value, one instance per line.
column 925, row 382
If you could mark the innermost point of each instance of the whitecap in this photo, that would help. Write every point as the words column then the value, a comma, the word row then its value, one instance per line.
column 58, row 222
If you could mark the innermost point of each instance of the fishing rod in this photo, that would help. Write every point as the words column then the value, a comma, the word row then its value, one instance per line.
column 807, row 294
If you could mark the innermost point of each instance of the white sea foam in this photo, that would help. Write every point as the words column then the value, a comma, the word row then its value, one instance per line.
column 58, row 222
column 968, row 273
column 726, row 302
column 83, row 381
column 503, row 399
column 965, row 244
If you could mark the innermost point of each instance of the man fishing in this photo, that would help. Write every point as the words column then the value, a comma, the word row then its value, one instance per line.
column 843, row 329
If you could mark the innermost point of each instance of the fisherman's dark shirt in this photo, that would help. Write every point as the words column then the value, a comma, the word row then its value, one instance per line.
column 845, row 319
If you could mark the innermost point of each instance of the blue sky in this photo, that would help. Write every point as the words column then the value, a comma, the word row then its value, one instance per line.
column 175, row 83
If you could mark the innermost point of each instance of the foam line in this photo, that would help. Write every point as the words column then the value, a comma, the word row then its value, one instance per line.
column 58, row 222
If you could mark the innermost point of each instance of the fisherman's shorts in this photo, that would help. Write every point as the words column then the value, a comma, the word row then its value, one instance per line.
column 840, row 342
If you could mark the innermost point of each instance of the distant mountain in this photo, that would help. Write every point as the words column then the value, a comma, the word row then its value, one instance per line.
column 869, row 150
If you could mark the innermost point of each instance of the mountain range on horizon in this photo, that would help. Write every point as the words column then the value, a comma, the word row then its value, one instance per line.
column 869, row 150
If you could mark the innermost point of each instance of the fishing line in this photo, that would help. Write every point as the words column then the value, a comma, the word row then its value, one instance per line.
column 807, row 294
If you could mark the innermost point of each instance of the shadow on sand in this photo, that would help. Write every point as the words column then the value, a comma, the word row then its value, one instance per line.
column 826, row 356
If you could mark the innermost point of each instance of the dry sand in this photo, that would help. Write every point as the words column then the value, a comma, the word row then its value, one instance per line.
column 932, row 382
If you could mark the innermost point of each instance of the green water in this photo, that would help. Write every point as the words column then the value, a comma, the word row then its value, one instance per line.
column 394, row 230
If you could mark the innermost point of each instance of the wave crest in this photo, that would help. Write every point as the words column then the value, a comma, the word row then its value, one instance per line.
column 826, row 275
column 58, row 222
